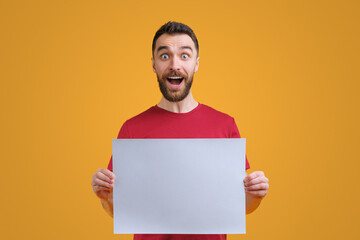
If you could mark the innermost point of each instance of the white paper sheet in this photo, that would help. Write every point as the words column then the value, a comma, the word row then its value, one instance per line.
column 179, row 186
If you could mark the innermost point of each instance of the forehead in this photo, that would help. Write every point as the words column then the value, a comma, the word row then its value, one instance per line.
column 174, row 41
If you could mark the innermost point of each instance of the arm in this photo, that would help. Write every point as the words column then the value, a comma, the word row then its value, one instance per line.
column 108, row 205
column 256, row 188
column 103, row 183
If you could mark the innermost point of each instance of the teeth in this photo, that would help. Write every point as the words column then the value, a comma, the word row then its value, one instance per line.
column 175, row 77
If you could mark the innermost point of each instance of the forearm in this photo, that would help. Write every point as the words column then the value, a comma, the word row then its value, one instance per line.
column 252, row 203
column 108, row 205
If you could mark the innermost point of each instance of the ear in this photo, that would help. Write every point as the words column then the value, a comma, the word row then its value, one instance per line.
column 153, row 64
column 197, row 64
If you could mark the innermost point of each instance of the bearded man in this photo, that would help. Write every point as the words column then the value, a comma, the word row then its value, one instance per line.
column 175, row 60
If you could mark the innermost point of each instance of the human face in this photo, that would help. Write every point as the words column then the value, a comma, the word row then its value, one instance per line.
column 175, row 61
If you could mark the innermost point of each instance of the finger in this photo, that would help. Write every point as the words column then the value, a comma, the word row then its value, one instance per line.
column 107, row 173
column 256, row 181
column 101, row 183
column 253, row 175
column 259, row 186
column 260, row 193
column 103, row 177
column 96, row 183
column 100, row 188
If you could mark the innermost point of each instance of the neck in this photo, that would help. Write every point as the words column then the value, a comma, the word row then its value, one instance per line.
column 183, row 106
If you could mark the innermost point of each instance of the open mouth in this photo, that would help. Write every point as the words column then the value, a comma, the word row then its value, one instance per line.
column 175, row 80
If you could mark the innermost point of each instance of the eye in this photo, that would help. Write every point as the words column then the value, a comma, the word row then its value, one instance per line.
column 164, row 56
column 184, row 56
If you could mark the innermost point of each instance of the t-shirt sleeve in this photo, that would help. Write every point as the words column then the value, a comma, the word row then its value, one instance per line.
column 123, row 133
column 235, row 134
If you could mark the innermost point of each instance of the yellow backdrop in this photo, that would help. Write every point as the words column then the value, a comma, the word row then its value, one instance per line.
column 73, row 71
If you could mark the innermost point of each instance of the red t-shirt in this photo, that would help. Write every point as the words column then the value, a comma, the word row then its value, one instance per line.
column 201, row 122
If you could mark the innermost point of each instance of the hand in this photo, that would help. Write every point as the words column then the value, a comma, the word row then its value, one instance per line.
column 103, row 183
column 256, row 184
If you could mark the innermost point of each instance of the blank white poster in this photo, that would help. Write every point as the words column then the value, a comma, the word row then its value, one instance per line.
column 179, row 186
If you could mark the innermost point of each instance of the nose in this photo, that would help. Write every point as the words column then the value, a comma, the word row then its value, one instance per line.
column 175, row 64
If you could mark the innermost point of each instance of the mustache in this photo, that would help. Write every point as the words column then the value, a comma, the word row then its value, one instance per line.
column 175, row 74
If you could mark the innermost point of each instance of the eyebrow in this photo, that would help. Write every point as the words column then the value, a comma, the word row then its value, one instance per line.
column 187, row 47
column 166, row 47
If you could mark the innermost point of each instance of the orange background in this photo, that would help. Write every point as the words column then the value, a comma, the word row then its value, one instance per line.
column 73, row 71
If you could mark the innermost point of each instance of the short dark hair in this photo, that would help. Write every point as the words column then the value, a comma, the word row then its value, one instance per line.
column 173, row 28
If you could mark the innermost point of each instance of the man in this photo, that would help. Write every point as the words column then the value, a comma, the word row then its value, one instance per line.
column 175, row 60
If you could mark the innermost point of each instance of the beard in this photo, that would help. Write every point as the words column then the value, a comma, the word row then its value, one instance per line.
column 177, row 95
